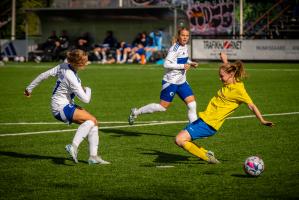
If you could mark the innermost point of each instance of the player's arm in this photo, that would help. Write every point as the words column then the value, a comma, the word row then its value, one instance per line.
column 192, row 64
column 171, row 61
column 258, row 115
column 83, row 94
column 223, row 57
column 43, row 76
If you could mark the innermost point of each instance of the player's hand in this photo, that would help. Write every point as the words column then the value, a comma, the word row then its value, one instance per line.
column 268, row 123
column 27, row 93
column 223, row 57
column 187, row 66
column 194, row 64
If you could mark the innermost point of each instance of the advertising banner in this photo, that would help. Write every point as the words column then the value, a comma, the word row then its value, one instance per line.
column 203, row 49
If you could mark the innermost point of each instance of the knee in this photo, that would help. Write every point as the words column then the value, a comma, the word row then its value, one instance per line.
column 182, row 138
column 163, row 107
column 94, row 120
column 179, row 141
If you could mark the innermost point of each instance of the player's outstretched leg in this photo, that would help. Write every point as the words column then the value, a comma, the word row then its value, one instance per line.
column 147, row 109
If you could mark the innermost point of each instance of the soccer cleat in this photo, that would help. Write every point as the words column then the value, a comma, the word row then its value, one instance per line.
column 212, row 159
column 97, row 160
column 72, row 152
column 132, row 116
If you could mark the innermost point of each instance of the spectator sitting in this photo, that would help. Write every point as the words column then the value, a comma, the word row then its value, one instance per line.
column 47, row 48
column 61, row 46
column 110, row 40
column 108, row 47
column 122, row 52
column 84, row 42
column 142, row 38
column 138, row 54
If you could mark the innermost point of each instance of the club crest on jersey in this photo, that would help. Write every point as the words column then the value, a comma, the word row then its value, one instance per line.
column 171, row 93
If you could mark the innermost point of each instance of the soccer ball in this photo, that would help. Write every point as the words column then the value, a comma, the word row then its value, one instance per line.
column 253, row 166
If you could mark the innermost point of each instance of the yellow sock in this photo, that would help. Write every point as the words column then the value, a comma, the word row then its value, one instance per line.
column 195, row 150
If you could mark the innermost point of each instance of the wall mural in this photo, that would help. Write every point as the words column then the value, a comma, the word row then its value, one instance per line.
column 211, row 18
column 150, row 2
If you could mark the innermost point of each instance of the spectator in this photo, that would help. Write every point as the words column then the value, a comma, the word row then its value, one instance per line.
column 142, row 38
column 84, row 42
column 138, row 55
column 122, row 52
column 110, row 40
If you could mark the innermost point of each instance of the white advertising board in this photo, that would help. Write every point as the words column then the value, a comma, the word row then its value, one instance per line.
column 209, row 49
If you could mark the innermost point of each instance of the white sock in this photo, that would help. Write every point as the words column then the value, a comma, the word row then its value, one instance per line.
column 93, row 139
column 82, row 132
column 150, row 108
column 118, row 57
column 192, row 115
column 124, row 58
column 104, row 56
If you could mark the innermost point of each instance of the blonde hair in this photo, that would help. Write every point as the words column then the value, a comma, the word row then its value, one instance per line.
column 77, row 58
column 237, row 68
column 176, row 38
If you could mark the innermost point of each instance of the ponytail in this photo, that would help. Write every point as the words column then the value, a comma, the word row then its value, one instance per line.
column 237, row 68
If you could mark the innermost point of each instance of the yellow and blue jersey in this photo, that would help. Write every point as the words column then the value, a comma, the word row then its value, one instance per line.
column 227, row 99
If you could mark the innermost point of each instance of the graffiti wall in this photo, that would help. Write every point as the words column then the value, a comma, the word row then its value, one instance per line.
column 211, row 18
column 150, row 2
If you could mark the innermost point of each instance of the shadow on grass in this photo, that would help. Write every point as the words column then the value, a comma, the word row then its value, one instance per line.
column 120, row 133
column 56, row 160
column 243, row 176
column 111, row 197
column 168, row 158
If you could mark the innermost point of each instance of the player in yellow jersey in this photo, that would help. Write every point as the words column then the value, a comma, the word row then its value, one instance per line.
column 228, row 98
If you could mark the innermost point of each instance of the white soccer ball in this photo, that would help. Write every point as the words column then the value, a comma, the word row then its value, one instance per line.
column 253, row 166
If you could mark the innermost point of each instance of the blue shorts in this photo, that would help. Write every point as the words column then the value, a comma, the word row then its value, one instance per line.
column 66, row 114
column 169, row 90
column 199, row 129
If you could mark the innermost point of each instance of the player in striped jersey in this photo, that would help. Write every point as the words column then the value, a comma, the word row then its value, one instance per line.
column 68, row 85
column 176, row 65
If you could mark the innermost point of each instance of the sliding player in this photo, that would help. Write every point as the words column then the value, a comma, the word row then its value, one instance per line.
column 228, row 98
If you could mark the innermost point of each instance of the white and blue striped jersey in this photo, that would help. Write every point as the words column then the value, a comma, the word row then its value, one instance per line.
column 68, row 85
column 174, row 63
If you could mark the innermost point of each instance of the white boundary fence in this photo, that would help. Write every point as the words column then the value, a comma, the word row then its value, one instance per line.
column 209, row 49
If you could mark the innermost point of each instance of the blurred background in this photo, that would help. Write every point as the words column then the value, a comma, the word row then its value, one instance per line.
column 43, row 30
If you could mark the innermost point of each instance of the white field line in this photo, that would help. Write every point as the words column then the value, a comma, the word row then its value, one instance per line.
column 148, row 123
column 101, row 128
column 55, row 123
